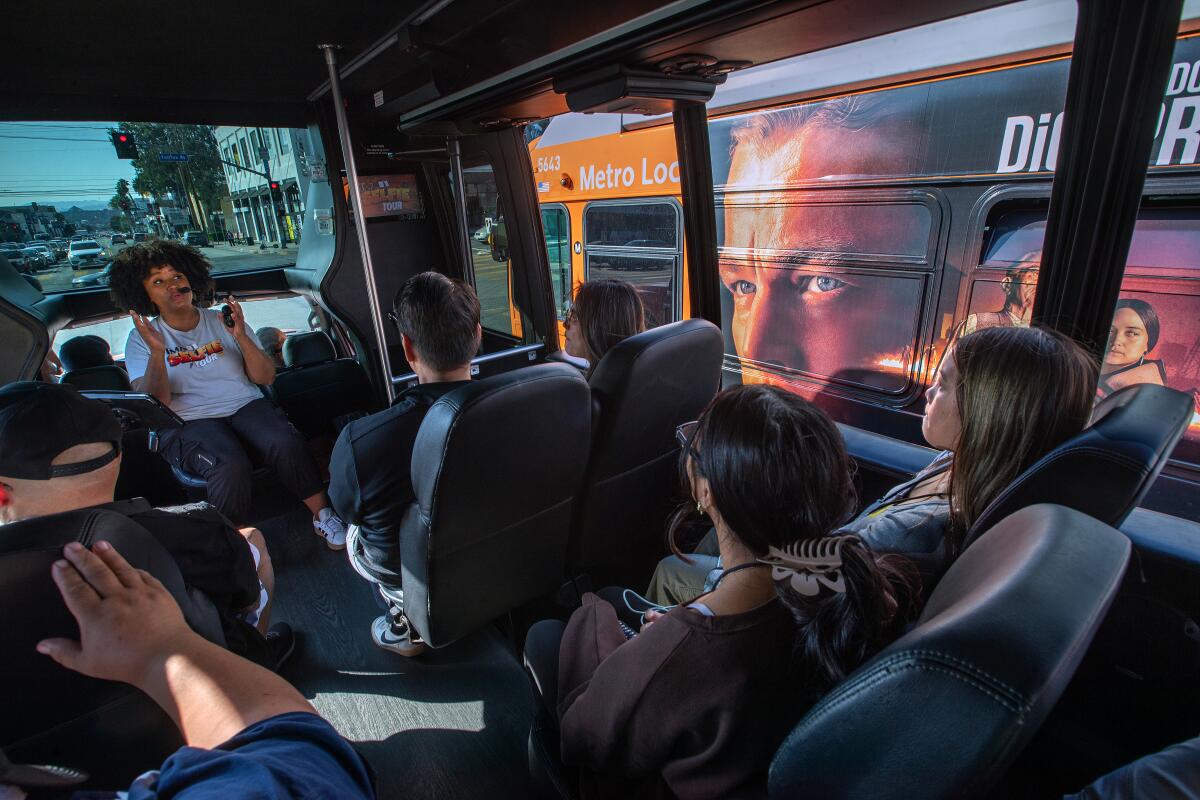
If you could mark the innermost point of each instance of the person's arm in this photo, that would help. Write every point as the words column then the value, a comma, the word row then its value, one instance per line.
column 259, row 367
column 614, row 712
column 131, row 630
column 148, row 368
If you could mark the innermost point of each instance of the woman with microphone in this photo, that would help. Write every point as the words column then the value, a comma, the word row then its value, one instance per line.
column 207, row 366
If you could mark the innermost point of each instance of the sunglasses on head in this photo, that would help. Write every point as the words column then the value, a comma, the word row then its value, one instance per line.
column 685, row 434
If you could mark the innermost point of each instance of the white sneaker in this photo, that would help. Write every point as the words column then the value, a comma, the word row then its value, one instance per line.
column 407, row 644
column 331, row 529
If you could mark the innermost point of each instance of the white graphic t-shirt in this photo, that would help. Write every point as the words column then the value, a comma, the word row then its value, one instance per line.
column 204, row 366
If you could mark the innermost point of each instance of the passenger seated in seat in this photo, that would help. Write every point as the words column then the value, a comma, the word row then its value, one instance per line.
column 438, row 320
column 248, row 732
column 696, row 703
column 207, row 373
column 603, row 314
column 271, row 340
column 81, row 352
column 1002, row 399
column 60, row 451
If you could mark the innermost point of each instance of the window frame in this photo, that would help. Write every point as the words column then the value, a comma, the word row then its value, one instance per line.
column 559, row 312
column 928, row 268
column 675, row 254
column 1158, row 190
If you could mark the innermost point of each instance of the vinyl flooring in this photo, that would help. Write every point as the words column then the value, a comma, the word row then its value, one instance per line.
column 448, row 724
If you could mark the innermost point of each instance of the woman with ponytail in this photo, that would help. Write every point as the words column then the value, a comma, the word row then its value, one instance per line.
column 695, row 704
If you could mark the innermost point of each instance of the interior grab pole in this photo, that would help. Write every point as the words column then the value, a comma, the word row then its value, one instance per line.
column 360, row 222
column 460, row 209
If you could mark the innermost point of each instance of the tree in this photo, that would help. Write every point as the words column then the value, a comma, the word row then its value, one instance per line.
column 200, row 181
column 118, row 223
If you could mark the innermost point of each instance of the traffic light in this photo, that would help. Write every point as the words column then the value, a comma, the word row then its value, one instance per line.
column 125, row 146
column 276, row 192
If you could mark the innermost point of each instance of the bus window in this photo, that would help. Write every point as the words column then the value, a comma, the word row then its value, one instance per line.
column 556, row 226
column 1155, row 336
column 824, row 286
column 639, row 241
column 485, row 229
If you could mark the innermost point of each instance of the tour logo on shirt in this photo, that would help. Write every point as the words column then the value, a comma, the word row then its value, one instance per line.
column 195, row 356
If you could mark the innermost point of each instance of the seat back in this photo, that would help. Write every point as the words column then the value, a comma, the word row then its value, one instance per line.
column 101, row 376
column 642, row 389
column 495, row 468
column 1107, row 469
column 946, row 709
column 316, row 387
column 51, row 714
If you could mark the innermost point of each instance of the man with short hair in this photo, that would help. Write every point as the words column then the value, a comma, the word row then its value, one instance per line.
column 369, row 481
column 60, row 451
column 271, row 340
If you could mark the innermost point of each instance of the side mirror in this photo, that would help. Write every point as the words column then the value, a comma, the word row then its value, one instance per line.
column 499, row 241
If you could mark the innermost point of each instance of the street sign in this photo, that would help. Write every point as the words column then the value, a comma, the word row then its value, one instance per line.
column 173, row 158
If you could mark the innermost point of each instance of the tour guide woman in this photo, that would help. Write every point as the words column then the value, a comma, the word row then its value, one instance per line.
column 207, row 372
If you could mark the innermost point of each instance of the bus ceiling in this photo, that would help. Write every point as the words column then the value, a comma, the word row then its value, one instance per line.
column 465, row 62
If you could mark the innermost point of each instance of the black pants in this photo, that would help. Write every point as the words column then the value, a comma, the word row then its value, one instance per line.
column 216, row 450
column 541, row 661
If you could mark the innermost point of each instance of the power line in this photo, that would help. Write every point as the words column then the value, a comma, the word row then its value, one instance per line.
column 53, row 139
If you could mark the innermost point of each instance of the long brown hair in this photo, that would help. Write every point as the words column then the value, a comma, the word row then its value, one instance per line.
column 607, row 311
column 1021, row 392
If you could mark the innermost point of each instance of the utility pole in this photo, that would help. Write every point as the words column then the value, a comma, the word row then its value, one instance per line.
column 266, row 162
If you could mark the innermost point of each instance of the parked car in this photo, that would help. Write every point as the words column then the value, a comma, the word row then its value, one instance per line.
column 93, row 279
column 195, row 239
column 86, row 254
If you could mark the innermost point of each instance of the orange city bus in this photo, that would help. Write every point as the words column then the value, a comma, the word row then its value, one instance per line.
column 847, row 274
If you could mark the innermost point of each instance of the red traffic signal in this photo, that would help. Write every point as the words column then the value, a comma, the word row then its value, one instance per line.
column 125, row 146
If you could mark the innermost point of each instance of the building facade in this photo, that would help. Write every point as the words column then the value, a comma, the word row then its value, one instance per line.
column 278, row 152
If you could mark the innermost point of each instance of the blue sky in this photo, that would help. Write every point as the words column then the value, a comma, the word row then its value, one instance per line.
column 36, row 165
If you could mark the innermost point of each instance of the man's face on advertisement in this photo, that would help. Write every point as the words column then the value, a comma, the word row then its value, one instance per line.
column 795, row 315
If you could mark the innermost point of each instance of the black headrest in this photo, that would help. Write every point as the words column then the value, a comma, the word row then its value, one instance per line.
column 38, row 693
column 83, row 352
column 103, row 376
column 648, row 384
column 306, row 349
column 945, row 709
column 495, row 468
column 1107, row 469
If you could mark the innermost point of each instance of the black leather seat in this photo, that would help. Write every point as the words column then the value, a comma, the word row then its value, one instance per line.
column 495, row 468
column 315, row 388
column 51, row 714
column 945, row 710
column 101, row 376
column 1107, row 469
column 642, row 390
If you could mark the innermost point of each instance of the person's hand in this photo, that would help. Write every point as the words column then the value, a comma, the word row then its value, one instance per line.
column 650, row 617
column 153, row 339
column 239, row 316
column 127, row 620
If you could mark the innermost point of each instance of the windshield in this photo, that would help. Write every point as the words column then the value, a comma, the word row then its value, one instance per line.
column 237, row 193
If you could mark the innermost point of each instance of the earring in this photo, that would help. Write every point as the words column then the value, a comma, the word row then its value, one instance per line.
column 699, row 508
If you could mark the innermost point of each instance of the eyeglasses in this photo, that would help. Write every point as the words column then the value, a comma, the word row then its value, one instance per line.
column 570, row 317
column 395, row 320
column 685, row 434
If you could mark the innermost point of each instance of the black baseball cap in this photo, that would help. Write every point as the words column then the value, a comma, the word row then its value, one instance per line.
column 39, row 421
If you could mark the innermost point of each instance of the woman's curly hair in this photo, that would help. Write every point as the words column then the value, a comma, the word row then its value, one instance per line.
column 133, row 264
